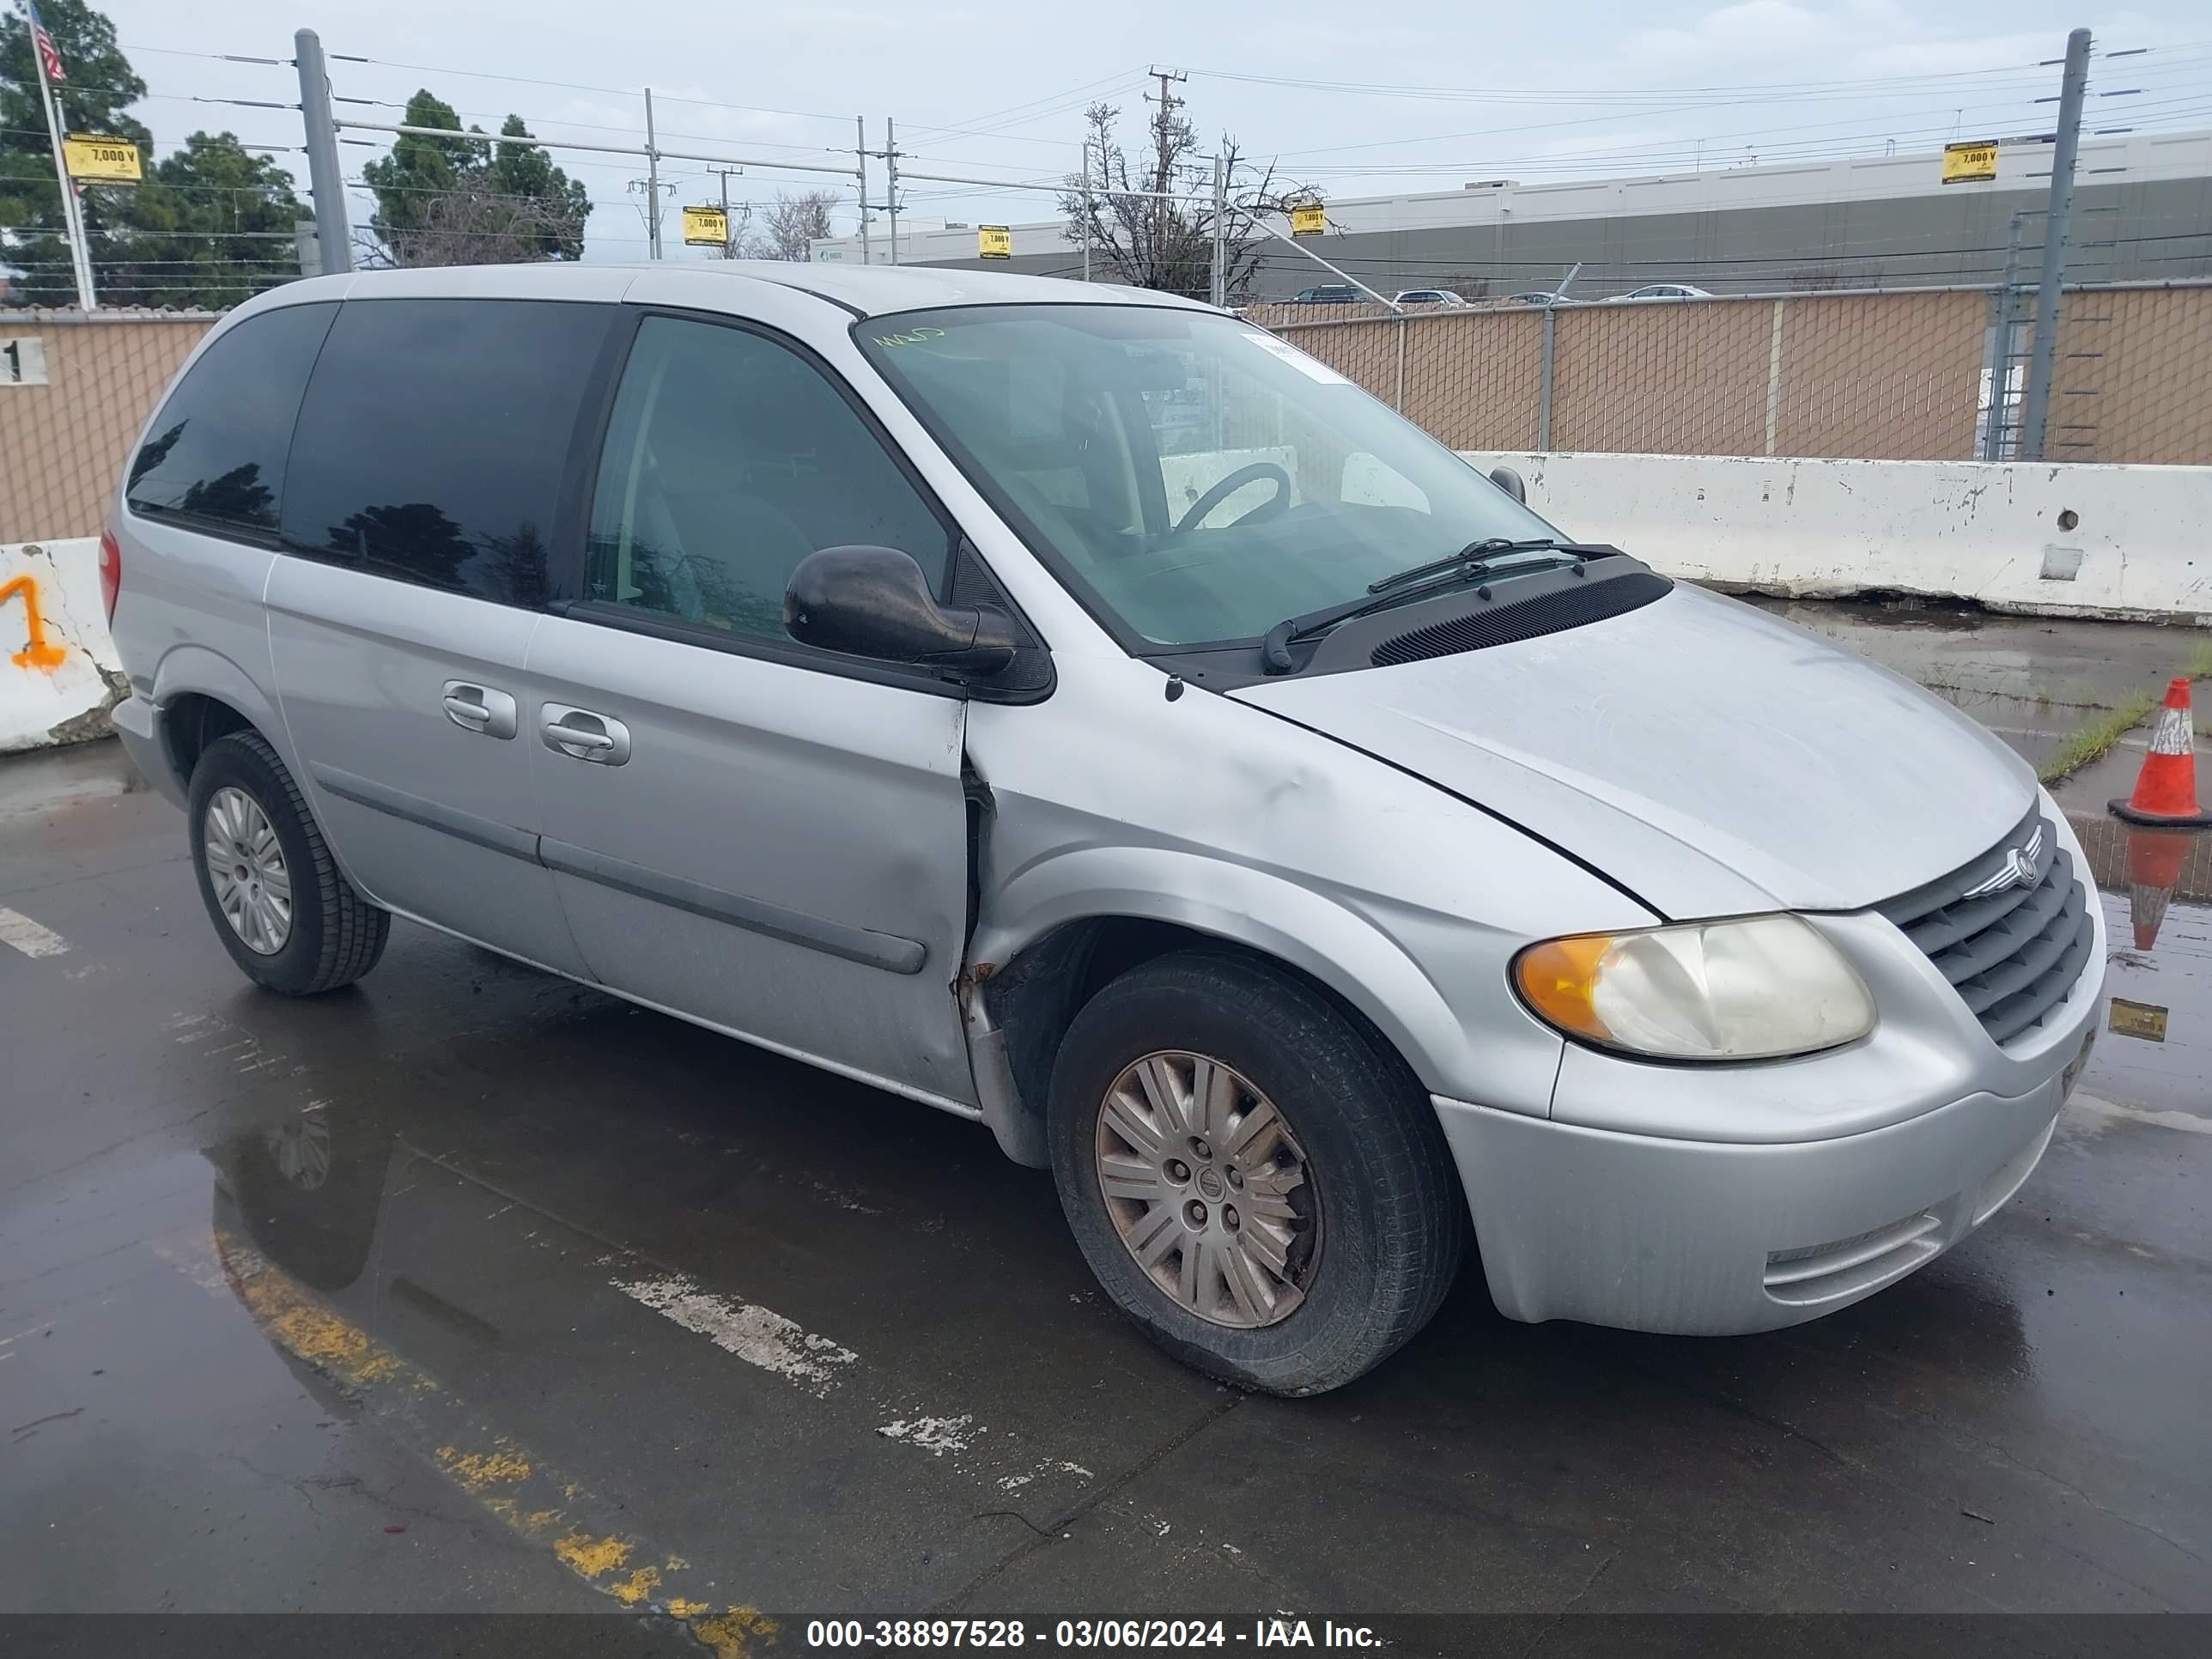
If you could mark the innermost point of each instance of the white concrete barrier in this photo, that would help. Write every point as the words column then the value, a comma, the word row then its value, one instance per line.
column 58, row 672
column 2077, row 540
column 2072, row 540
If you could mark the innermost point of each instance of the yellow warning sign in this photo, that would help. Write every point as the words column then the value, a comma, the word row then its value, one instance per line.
column 1309, row 221
column 993, row 242
column 706, row 227
column 2139, row 1019
column 101, row 161
column 1968, row 163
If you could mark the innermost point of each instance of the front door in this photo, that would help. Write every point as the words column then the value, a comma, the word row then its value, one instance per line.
column 766, row 837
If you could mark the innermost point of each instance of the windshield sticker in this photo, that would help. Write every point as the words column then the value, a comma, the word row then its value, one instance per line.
column 1309, row 367
column 911, row 337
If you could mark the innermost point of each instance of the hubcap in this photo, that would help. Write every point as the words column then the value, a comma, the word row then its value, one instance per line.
column 1208, row 1189
column 246, row 867
column 302, row 1150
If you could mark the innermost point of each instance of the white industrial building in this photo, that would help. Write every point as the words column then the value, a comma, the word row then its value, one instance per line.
column 2143, row 211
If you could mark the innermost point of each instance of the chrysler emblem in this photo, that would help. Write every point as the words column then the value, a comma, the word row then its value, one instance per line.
column 2017, row 870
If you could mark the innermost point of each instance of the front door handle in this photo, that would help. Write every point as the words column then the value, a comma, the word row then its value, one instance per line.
column 582, row 735
column 475, row 707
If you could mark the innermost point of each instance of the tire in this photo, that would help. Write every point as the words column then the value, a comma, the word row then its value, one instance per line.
column 332, row 936
column 1375, row 1220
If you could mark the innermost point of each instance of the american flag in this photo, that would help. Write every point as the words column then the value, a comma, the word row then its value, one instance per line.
column 43, row 43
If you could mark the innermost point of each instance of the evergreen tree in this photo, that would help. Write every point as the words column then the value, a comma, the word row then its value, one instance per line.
column 465, row 200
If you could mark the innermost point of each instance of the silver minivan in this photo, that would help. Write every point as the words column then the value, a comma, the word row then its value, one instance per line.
column 1080, row 711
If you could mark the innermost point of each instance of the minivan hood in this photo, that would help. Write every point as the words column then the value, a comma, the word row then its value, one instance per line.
column 1709, row 758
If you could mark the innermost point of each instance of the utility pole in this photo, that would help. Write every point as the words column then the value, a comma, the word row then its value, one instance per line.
column 333, row 240
column 888, row 155
column 72, row 209
column 651, row 188
column 1220, row 285
column 1160, row 135
column 1089, row 204
column 729, row 231
column 891, row 180
column 652, row 183
column 860, row 135
column 2035, row 413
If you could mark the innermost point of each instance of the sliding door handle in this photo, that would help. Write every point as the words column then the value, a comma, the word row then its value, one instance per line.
column 475, row 707
column 582, row 735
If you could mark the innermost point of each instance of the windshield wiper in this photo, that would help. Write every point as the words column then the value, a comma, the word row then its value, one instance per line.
column 1479, row 554
column 1475, row 559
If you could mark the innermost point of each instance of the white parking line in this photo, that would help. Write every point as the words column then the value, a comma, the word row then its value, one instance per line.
column 757, row 1336
column 18, row 930
column 934, row 1435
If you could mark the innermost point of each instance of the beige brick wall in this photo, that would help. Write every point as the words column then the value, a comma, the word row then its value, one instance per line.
column 63, row 445
column 1855, row 376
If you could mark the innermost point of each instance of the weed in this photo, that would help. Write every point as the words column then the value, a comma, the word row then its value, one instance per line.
column 2094, row 739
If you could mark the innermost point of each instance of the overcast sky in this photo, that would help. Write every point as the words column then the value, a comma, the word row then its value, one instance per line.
column 1409, row 96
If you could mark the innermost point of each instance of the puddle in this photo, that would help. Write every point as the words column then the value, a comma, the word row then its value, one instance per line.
column 2031, row 680
column 44, row 785
column 2154, row 1051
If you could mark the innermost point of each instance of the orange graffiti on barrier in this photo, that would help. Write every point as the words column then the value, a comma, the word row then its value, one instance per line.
column 36, row 652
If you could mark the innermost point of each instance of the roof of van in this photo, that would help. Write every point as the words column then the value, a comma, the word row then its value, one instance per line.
column 875, row 289
column 872, row 290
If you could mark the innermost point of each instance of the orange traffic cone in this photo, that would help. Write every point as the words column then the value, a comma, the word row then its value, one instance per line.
column 2155, row 861
column 2166, row 788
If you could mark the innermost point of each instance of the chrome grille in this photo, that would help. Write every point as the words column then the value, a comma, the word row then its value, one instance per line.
column 2013, row 953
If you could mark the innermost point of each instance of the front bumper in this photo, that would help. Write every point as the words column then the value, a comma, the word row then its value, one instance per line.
column 1702, row 1237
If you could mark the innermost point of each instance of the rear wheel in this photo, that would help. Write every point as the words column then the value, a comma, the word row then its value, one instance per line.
column 1253, row 1177
column 289, row 919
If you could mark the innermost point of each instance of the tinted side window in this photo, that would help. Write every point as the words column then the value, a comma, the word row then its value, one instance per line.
column 215, row 455
column 730, row 459
column 434, row 438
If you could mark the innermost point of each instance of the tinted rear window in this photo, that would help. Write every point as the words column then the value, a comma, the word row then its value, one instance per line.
column 434, row 439
column 215, row 455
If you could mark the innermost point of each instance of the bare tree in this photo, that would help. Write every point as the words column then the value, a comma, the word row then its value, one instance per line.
column 789, row 227
column 472, row 223
column 737, row 239
column 1153, row 243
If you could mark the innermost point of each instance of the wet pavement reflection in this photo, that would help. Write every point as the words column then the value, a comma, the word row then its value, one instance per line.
column 475, row 1289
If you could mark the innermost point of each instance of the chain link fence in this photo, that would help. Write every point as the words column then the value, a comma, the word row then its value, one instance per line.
column 74, row 393
column 1929, row 374
column 1934, row 375
column 2133, row 380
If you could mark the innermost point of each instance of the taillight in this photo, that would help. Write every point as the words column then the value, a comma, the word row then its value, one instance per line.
column 111, row 571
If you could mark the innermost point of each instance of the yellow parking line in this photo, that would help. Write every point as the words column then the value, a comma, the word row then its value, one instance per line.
column 527, row 1495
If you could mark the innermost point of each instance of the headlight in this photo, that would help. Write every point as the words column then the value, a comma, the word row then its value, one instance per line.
column 1753, row 989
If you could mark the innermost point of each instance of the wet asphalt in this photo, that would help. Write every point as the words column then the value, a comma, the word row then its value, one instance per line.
column 473, row 1289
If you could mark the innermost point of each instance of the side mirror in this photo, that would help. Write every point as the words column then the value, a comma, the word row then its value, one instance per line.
column 875, row 602
column 1509, row 481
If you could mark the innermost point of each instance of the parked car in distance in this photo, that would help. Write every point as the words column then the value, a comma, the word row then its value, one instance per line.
column 1309, row 854
column 1537, row 296
column 1329, row 293
column 1664, row 291
column 1428, row 296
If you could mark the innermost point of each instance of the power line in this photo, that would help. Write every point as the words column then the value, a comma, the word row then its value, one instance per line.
column 1730, row 91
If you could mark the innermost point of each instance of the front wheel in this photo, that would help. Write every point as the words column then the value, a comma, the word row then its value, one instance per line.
column 1253, row 1175
column 290, row 919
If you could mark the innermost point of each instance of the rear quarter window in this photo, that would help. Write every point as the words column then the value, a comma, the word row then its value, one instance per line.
column 214, row 457
column 435, row 440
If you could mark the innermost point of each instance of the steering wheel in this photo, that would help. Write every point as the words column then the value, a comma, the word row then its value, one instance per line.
column 1229, row 486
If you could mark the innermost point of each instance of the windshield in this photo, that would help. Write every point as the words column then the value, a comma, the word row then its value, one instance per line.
column 1196, row 476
